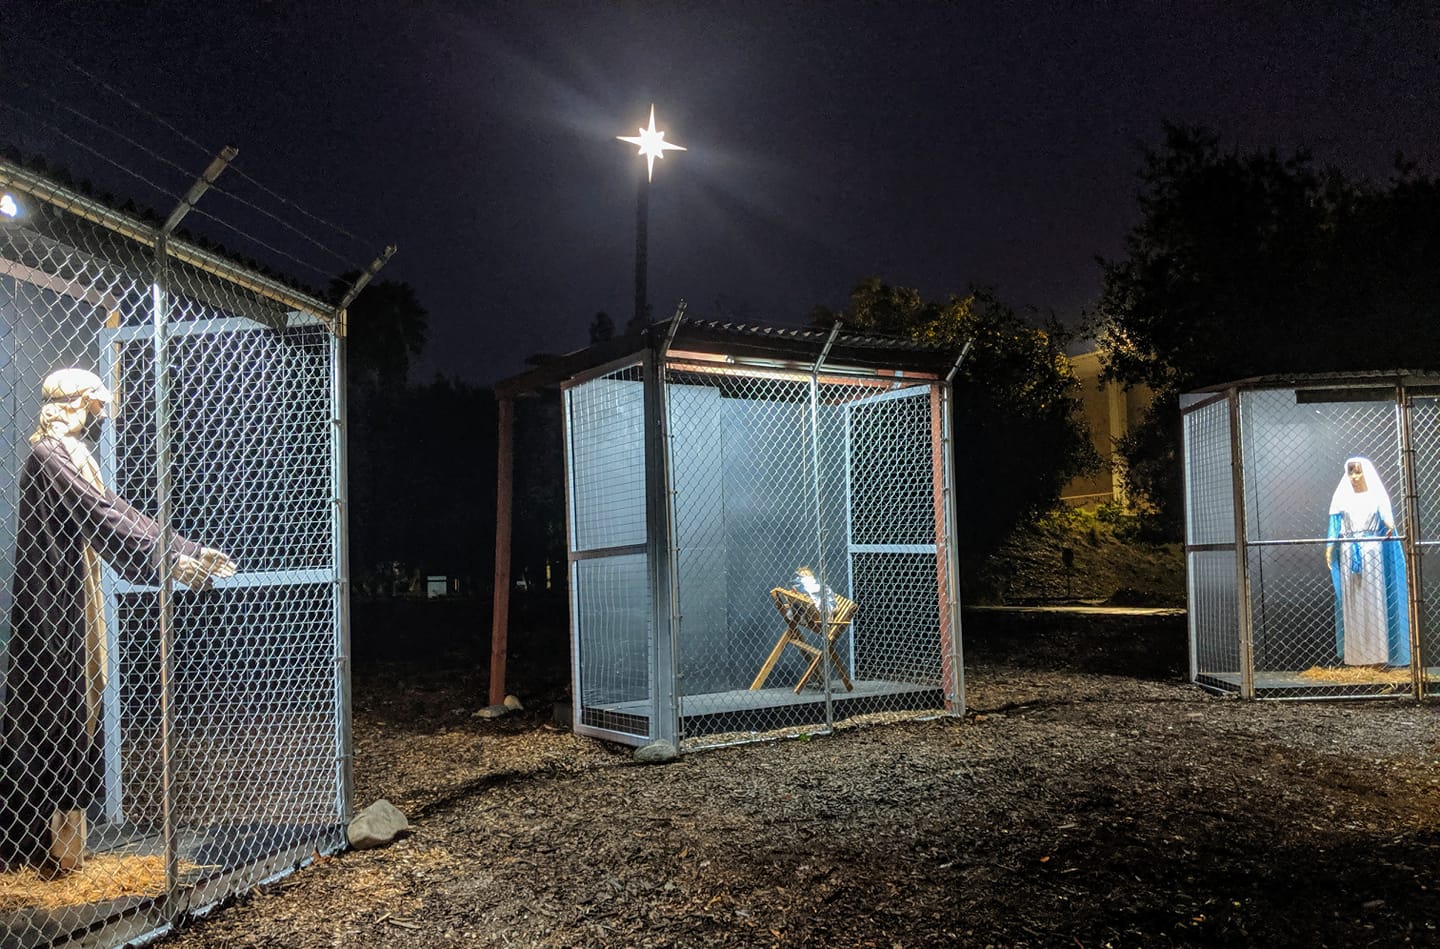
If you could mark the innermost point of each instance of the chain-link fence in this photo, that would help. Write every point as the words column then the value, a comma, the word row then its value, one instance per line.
column 775, row 561
column 1317, row 590
column 168, row 414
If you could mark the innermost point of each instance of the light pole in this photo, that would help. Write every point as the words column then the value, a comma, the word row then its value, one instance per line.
column 652, row 145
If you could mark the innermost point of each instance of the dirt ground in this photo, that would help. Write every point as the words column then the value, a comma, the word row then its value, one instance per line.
column 1090, row 798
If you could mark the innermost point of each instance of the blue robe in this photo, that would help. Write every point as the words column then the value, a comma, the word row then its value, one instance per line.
column 1397, row 611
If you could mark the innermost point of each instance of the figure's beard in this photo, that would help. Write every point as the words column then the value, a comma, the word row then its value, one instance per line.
column 93, row 427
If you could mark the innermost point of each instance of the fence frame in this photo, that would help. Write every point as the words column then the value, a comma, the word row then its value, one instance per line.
column 814, row 355
column 1418, row 535
column 261, row 302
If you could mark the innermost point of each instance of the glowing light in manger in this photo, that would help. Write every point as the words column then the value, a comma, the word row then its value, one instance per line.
column 652, row 144
column 8, row 207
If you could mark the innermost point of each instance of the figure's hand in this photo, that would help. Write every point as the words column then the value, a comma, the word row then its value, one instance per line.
column 216, row 562
column 1329, row 556
column 198, row 573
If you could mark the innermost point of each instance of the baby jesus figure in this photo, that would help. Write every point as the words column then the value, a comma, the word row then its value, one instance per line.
column 806, row 582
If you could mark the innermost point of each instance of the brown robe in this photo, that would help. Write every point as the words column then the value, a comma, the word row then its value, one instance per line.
column 50, row 747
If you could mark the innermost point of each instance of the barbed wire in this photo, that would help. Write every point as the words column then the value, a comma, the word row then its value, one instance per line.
column 189, row 173
column 161, row 189
column 201, row 212
column 346, row 261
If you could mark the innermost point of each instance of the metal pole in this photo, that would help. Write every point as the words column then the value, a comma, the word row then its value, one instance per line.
column 1242, row 568
column 1409, row 542
column 950, row 555
column 340, row 331
column 201, row 185
column 959, row 361
column 159, row 306
column 504, row 492
column 642, row 263
column 660, row 550
column 345, row 756
column 672, row 535
column 365, row 277
column 165, row 604
column 943, row 451
column 820, row 573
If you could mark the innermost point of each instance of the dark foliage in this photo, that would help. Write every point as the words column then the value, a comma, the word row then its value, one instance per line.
column 423, row 462
column 1253, row 264
column 387, row 328
column 422, row 479
column 1017, row 441
column 602, row 328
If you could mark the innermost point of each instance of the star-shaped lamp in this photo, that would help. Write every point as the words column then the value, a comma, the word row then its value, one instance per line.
column 652, row 144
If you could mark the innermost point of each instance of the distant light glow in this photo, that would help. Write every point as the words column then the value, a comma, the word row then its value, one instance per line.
column 652, row 144
column 8, row 207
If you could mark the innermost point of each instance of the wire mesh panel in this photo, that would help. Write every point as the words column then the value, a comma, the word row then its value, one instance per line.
column 611, row 594
column 1314, row 629
column 1336, row 540
column 1425, row 443
column 807, row 566
column 164, row 744
column 1210, row 555
column 894, row 494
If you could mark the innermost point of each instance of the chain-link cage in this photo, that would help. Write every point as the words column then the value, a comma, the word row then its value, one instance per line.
column 1320, row 594
column 168, row 414
column 1210, row 547
column 800, row 554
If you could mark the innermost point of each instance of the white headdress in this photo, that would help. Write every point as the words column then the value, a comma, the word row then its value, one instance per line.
column 1361, row 504
column 67, row 395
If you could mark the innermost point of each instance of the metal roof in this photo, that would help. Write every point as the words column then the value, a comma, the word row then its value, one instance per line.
column 1307, row 380
column 796, row 346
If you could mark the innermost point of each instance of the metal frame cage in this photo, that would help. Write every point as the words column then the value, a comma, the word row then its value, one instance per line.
column 165, row 744
column 701, row 479
column 1306, row 581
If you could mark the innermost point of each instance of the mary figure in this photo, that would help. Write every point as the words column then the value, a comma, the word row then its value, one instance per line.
column 1367, row 569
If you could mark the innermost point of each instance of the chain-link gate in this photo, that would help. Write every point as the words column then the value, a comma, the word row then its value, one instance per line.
column 168, row 413
column 758, row 550
column 1317, row 589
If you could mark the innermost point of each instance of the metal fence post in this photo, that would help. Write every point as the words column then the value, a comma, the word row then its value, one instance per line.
column 660, row 524
column 820, row 573
column 955, row 701
column 1410, row 541
column 1242, row 560
column 159, row 315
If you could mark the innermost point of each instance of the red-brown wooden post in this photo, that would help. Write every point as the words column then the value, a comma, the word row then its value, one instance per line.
column 499, row 630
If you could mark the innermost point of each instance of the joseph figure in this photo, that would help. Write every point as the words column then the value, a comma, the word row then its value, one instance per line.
column 50, row 734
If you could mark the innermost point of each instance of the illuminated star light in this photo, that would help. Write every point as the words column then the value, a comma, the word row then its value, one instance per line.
column 652, row 144
column 8, row 207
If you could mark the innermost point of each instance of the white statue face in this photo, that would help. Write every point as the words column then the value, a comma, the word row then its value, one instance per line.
column 1356, row 474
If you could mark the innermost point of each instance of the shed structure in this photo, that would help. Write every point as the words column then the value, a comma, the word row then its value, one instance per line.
column 1306, row 581
column 169, row 738
column 761, row 532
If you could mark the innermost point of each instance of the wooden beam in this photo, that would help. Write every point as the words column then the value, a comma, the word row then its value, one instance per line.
column 504, row 490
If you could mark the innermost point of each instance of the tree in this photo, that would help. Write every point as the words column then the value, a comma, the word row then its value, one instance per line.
column 1017, row 438
column 386, row 327
column 1252, row 264
column 601, row 328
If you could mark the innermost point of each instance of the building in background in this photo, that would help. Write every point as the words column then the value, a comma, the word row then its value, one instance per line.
column 1110, row 411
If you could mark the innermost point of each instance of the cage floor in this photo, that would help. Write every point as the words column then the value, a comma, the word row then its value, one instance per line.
column 1294, row 683
column 205, row 854
column 780, row 707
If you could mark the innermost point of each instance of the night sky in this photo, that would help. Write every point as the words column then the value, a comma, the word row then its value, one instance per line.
column 933, row 145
